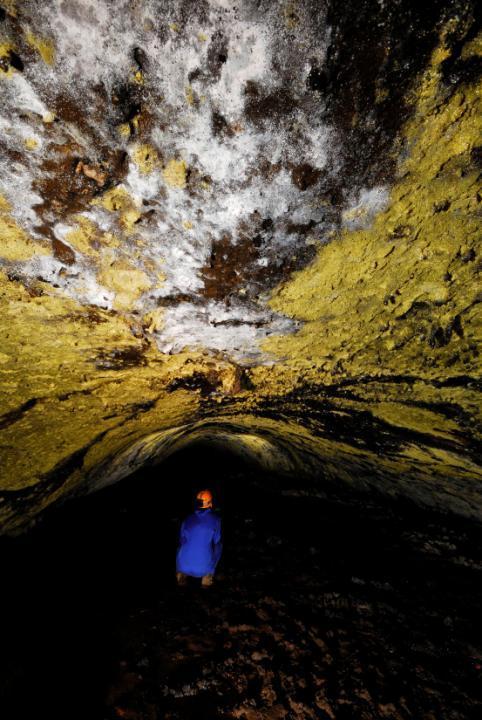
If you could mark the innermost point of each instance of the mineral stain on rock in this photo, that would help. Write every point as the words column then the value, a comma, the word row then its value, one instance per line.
column 254, row 225
column 63, row 252
column 121, row 358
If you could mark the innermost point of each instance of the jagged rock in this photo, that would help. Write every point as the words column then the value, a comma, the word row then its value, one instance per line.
column 258, row 224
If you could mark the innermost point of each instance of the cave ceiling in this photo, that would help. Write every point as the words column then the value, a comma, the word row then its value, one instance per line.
column 256, row 223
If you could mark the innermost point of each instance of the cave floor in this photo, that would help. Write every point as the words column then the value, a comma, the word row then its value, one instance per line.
column 318, row 611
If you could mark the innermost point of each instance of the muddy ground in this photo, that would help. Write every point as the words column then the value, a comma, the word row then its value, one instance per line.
column 320, row 610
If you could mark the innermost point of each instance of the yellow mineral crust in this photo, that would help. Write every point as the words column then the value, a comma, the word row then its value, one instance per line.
column 390, row 327
column 119, row 201
column 124, row 130
column 189, row 95
column 85, row 374
column 146, row 158
column 386, row 300
column 82, row 236
column 87, row 238
column 15, row 244
column 175, row 173
column 127, row 281
column 153, row 321
column 31, row 143
column 10, row 6
column 43, row 46
column 5, row 47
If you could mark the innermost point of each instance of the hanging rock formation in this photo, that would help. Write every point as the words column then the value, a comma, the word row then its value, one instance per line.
column 256, row 223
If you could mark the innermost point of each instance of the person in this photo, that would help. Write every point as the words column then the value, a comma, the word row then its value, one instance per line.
column 200, row 543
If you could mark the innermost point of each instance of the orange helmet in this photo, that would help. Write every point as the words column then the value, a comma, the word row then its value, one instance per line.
column 205, row 499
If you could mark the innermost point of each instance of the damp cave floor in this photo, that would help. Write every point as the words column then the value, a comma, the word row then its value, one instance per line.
column 318, row 611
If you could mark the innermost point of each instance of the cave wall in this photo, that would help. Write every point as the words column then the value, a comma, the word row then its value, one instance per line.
column 255, row 223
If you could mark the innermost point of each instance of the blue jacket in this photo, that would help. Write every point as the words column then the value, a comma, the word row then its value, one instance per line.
column 200, row 544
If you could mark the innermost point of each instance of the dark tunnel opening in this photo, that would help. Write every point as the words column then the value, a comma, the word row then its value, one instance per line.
column 320, row 608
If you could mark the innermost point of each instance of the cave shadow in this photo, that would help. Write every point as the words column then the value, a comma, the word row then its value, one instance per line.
column 89, row 561
column 70, row 584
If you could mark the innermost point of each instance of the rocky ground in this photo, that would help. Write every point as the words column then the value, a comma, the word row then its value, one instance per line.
column 319, row 611
column 284, row 636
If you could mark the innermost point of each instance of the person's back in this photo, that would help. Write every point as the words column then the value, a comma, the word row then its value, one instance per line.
column 200, row 542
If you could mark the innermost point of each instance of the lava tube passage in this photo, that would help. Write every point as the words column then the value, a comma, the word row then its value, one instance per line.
column 240, row 428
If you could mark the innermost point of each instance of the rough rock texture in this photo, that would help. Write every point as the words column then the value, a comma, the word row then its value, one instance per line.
column 318, row 610
column 254, row 223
